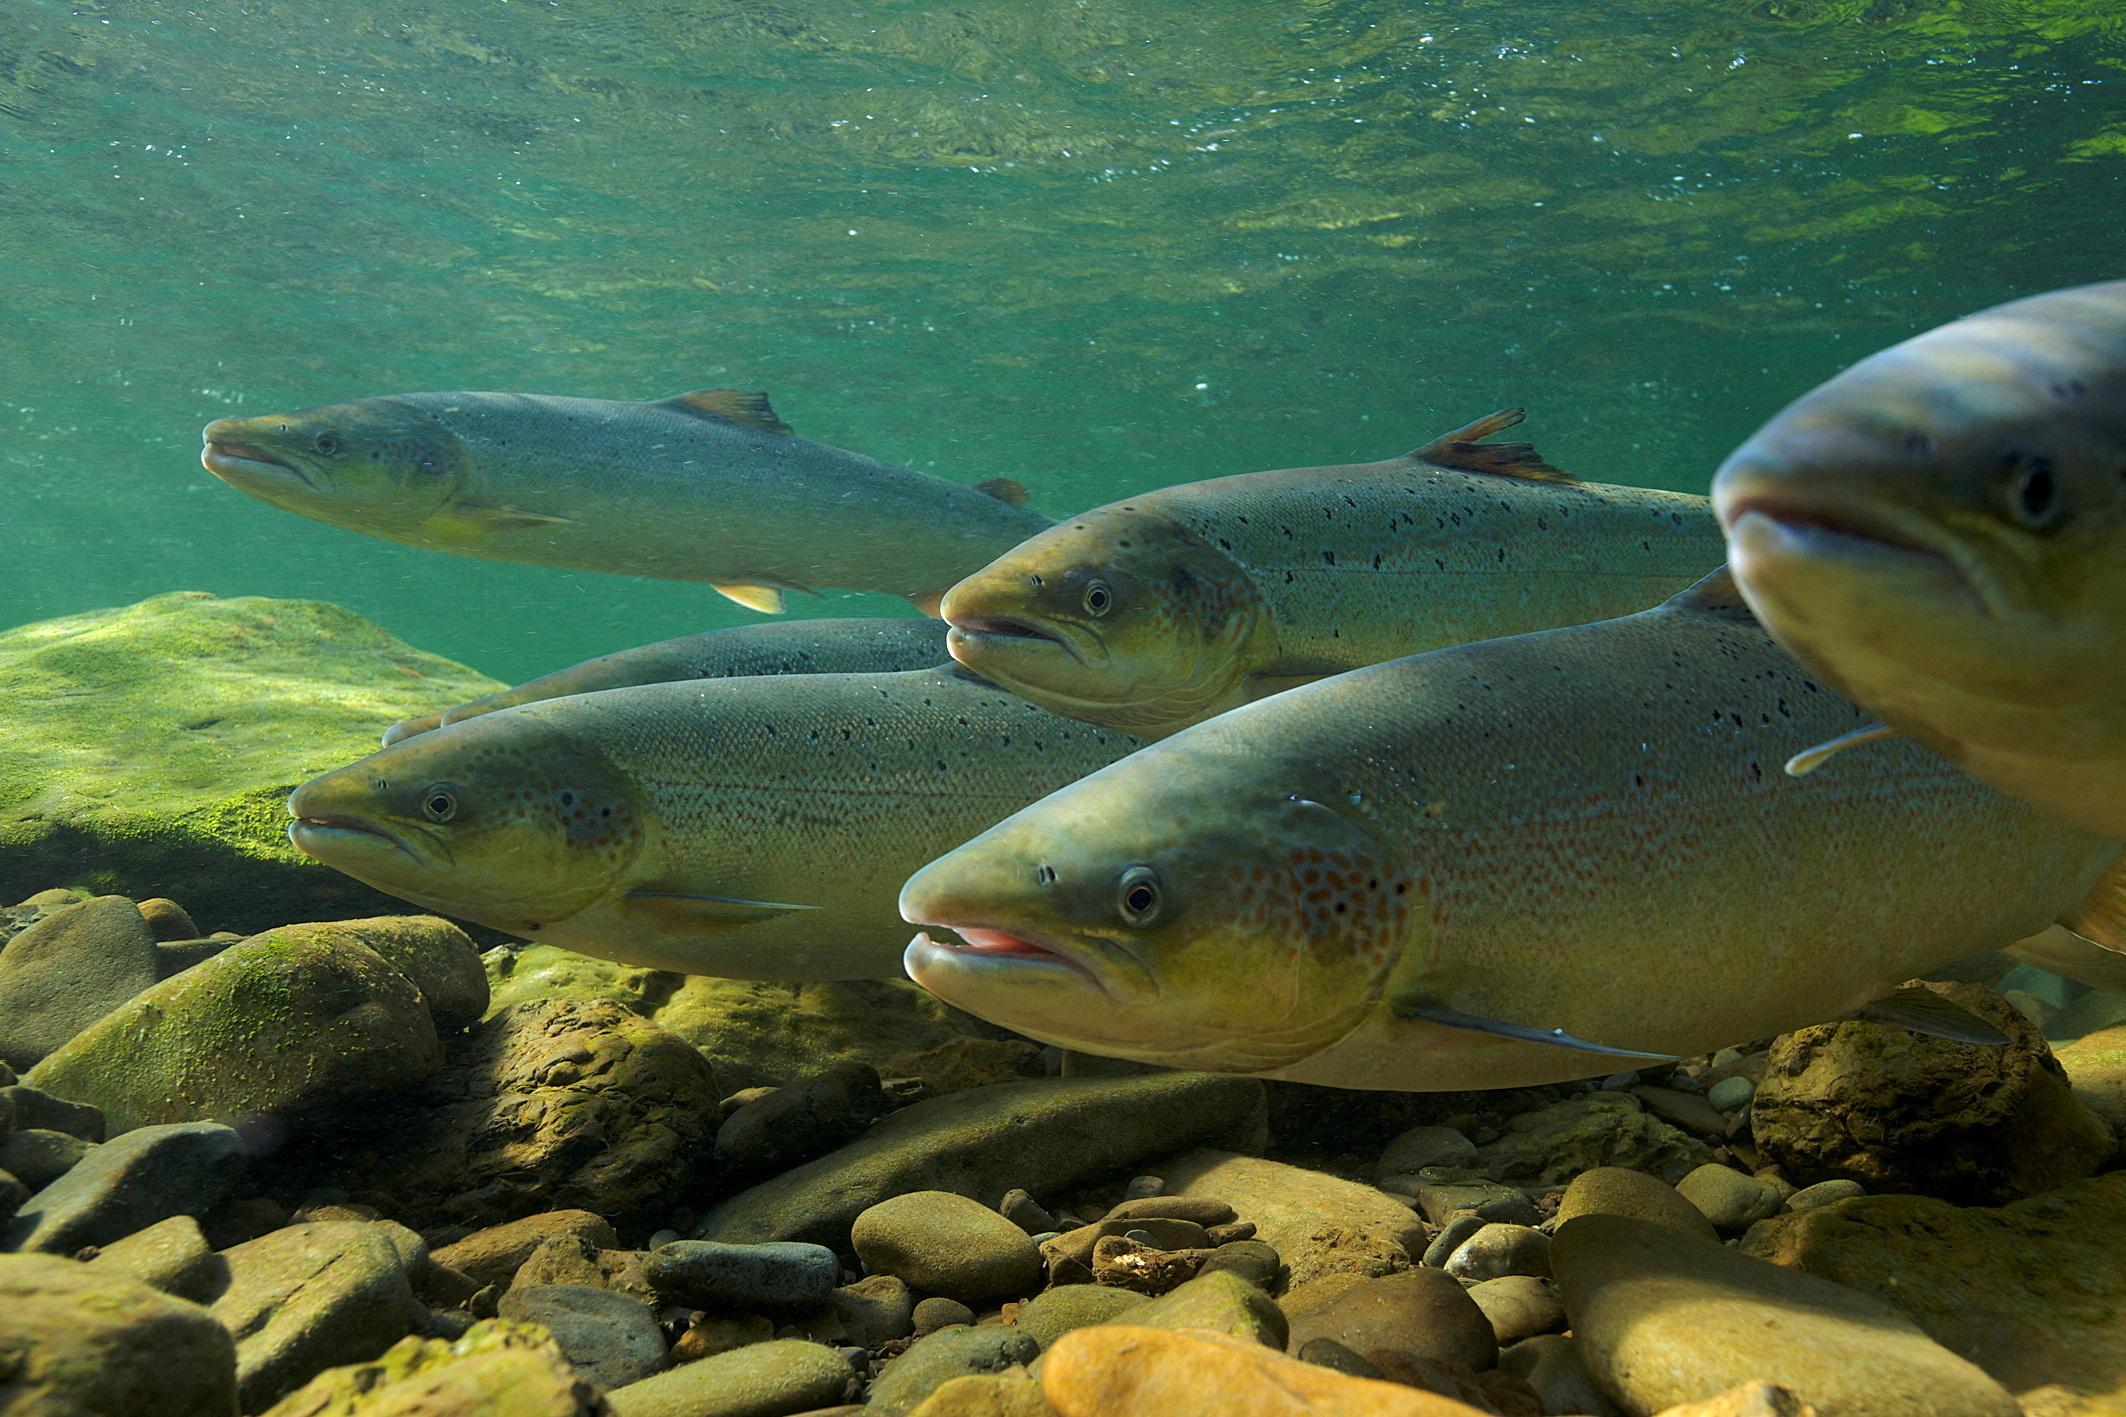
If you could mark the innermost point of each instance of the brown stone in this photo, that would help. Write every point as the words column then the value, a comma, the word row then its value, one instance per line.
column 1900, row 1111
column 1115, row 1370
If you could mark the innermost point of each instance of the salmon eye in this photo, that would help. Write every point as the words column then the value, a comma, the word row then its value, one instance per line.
column 1139, row 895
column 439, row 803
column 2032, row 488
column 327, row 443
column 1098, row 598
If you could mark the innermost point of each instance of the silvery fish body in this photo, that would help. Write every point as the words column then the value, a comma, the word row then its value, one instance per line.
column 753, row 828
column 1392, row 878
column 709, row 486
column 834, row 646
column 1163, row 609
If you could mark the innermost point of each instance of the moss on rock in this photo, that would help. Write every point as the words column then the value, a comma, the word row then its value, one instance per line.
column 149, row 750
column 754, row 1032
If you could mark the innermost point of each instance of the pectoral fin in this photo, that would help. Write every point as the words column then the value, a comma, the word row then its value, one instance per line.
column 1924, row 1011
column 687, row 910
column 470, row 521
column 766, row 599
column 1445, row 1017
column 1809, row 759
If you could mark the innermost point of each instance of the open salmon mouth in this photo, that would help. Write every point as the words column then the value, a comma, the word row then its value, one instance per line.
column 975, row 942
column 1850, row 523
column 1003, row 627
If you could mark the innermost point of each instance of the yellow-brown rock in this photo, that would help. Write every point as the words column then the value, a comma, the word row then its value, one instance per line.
column 1118, row 1370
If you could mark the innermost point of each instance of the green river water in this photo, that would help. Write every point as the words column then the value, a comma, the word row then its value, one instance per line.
column 1098, row 246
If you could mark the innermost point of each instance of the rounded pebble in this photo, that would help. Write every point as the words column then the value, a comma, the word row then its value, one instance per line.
column 1144, row 1188
column 1421, row 1147
column 782, row 1276
column 1824, row 1193
column 943, row 1243
column 1498, row 1250
column 1731, row 1094
column 936, row 1313
column 1619, row 1190
column 1730, row 1200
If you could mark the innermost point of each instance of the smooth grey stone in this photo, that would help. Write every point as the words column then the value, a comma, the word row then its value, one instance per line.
column 1451, row 1237
column 947, row 1354
column 38, row 1157
column 1499, row 1250
column 129, row 1183
column 1824, row 1193
column 609, row 1337
column 1731, row 1094
column 780, row 1277
column 34, row 1107
column 1421, row 1147
column 69, row 970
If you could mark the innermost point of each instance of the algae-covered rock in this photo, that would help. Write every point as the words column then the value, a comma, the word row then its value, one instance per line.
column 77, row 1339
column 496, row 1369
column 1900, row 1111
column 1045, row 1136
column 2034, row 1292
column 753, row 1032
column 545, row 1106
column 281, row 1024
column 150, row 750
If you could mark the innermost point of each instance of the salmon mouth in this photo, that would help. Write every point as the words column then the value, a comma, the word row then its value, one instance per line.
column 990, row 950
column 229, row 459
column 310, row 833
column 993, row 629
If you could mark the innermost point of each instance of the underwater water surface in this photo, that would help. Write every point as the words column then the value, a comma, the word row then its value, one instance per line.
column 1097, row 246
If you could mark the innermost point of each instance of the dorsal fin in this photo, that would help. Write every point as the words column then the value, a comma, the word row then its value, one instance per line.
column 1717, row 594
column 747, row 408
column 1009, row 491
column 1464, row 450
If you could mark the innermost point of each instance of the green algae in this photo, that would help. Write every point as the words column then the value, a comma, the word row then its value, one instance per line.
column 149, row 750
column 753, row 1032
column 279, row 1024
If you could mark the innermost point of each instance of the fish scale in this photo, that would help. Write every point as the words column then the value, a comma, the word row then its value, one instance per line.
column 1361, row 580
column 1596, row 832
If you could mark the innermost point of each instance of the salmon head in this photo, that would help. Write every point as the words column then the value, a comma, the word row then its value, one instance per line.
column 503, row 820
column 1175, row 916
column 1940, row 530
column 383, row 466
column 1121, row 617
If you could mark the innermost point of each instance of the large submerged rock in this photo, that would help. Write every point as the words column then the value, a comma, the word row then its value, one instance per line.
column 753, row 1032
column 2033, row 1292
column 284, row 1023
column 1042, row 1136
column 1900, row 1111
column 150, row 750
column 551, row 1105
